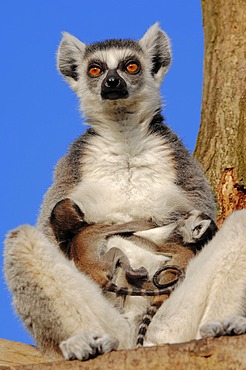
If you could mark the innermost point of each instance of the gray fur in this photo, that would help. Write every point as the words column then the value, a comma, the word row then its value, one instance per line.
column 112, row 43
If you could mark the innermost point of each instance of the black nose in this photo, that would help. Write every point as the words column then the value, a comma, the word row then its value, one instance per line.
column 114, row 86
column 112, row 82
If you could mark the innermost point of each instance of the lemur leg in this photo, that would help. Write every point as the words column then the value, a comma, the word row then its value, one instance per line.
column 56, row 302
column 213, row 290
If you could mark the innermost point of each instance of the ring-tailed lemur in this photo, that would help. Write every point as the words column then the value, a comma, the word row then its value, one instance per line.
column 90, row 248
column 128, row 166
column 87, row 246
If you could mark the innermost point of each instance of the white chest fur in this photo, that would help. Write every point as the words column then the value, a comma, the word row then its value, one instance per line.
column 127, row 174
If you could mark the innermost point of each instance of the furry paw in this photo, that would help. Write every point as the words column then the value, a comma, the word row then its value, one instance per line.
column 84, row 345
column 233, row 325
column 212, row 329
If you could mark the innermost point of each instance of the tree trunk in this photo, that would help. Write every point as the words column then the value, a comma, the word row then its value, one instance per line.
column 221, row 141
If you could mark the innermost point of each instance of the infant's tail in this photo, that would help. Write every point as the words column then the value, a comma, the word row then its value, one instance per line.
column 124, row 291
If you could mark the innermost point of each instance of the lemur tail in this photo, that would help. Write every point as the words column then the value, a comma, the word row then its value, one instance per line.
column 163, row 288
column 147, row 318
column 124, row 291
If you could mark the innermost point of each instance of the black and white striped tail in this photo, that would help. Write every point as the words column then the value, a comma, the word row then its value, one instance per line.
column 124, row 291
column 146, row 321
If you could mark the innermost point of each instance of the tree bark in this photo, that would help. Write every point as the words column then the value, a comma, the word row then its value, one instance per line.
column 209, row 353
column 221, row 140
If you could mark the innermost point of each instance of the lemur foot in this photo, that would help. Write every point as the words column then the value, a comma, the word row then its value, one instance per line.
column 85, row 344
column 232, row 325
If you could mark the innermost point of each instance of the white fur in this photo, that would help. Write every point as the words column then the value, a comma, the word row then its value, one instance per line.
column 157, row 235
column 128, row 174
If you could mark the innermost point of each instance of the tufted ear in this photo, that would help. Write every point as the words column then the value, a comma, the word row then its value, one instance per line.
column 157, row 45
column 69, row 55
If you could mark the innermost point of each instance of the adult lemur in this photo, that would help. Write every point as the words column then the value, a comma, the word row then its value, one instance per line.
column 127, row 166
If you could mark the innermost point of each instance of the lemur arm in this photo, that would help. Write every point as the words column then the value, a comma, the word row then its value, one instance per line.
column 116, row 258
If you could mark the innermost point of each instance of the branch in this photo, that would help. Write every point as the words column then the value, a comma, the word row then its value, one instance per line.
column 210, row 353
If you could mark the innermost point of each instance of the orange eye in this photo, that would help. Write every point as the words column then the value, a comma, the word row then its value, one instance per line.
column 95, row 71
column 132, row 67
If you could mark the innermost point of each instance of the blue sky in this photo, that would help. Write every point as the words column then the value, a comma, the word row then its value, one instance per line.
column 39, row 114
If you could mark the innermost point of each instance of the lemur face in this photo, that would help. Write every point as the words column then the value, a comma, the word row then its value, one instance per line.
column 115, row 70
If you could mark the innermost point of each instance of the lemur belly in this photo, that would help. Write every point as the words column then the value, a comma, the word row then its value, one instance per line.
column 132, row 179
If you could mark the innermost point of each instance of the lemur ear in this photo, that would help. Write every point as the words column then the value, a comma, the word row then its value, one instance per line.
column 70, row 53
column 156, row 43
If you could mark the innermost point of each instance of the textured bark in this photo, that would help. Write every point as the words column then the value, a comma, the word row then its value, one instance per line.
column 15, row 353
column 231, row 195
column 220, row 353
column 221, row 140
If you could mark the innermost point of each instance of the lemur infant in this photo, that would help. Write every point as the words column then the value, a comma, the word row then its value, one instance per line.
column 87, row 246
